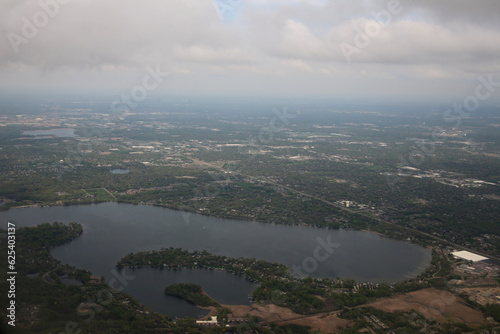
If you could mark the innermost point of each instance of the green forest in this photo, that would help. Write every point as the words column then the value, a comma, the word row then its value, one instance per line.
column 192, row 293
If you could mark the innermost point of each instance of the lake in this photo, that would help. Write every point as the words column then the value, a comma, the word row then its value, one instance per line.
column 45, row 134
column 119, row 171
column 112, row 230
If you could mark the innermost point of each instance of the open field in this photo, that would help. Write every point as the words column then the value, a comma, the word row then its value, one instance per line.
column 100, row 194
column 325, row 322
column 433, row 304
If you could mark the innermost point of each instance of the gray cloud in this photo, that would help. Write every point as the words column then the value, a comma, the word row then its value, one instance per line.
column 478, row 12
column 271, row 43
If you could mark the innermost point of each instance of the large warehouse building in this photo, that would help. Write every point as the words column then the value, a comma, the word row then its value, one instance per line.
column 469, row 256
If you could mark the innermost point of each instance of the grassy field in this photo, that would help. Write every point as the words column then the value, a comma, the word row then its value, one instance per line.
column 100, row 194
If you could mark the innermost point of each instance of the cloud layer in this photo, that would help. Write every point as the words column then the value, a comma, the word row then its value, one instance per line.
column 328, row 45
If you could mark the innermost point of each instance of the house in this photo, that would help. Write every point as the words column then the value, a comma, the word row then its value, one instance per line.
column 211, row 322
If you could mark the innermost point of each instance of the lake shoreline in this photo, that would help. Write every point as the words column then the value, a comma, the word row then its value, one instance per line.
column 238, row 218
column 113, row 230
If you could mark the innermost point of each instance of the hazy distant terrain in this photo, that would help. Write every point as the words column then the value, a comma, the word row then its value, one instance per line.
column 358, row 165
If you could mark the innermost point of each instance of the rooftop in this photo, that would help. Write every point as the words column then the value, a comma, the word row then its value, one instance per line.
column 469, row 256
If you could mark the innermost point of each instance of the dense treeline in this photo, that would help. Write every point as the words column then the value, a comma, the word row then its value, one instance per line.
column 176, row 258
column 36, row 242
column 192, row 293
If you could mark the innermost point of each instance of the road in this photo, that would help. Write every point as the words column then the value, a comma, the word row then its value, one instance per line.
column 106, row 190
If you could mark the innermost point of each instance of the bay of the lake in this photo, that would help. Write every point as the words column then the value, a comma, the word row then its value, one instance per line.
column 43, row 134
column 112, row 230
column 119, row 171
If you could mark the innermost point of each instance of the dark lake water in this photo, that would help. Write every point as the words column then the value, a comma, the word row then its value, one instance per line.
column 42, row 134
column 119, row 171
column 112, row 230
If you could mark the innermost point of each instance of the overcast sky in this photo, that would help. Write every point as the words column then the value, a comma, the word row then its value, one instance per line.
column 331, row 48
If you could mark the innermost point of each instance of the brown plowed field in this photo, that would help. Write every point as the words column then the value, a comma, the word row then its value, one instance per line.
column 433, row 304
column 325, row 322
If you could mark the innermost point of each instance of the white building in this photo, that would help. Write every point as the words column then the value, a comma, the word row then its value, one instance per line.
column 212, row 322
column 469, row 256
